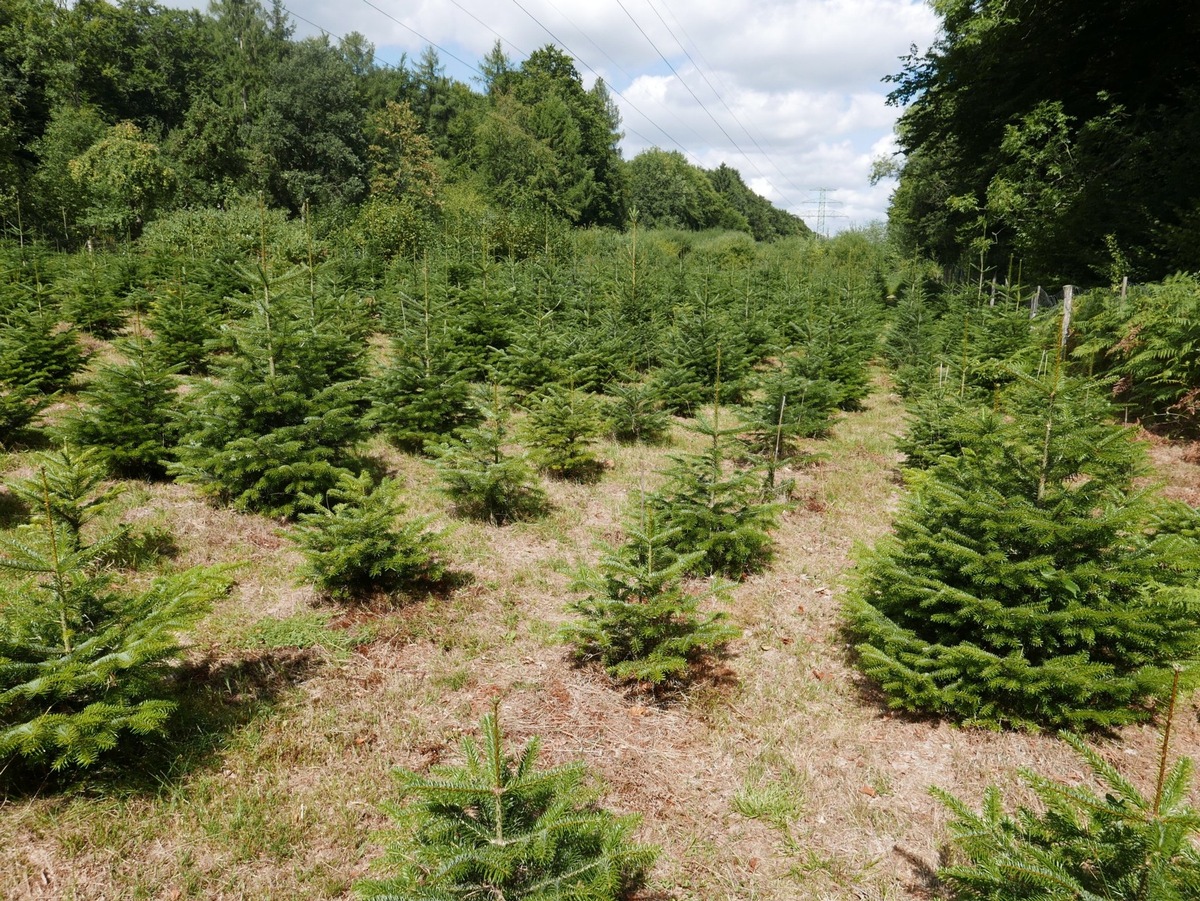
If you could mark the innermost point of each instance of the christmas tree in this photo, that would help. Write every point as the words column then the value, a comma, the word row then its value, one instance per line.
column 1025, row 584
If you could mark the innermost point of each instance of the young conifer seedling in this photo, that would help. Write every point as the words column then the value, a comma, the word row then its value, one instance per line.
column 481, row 477
column 354, row 542
column 638, row 618
column 1081, row 846
column 497, row 827
column 83, row 662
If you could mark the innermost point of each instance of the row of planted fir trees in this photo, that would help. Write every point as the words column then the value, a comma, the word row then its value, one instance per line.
column 1029, row 581
column 1034, row 579
column 242, row 364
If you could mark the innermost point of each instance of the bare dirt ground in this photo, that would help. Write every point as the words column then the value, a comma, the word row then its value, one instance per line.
column 784, row 777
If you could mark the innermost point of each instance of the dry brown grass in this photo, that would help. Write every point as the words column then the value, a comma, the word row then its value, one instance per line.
column 789, row 780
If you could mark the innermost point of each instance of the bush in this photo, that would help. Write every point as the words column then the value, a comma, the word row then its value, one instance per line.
column 497, row 827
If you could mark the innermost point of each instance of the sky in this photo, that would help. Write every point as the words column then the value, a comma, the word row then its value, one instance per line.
column 788, row 92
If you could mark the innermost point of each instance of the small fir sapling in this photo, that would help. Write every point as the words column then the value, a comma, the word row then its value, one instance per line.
column 355, row 543
column 35, row 351
column 788, row 408
column 279, row 425
column 186, row 325
column 424, row 392
column 941, row 421
column 711, row 507
column 94, row 290
column 82, row 661
column 703, row 349
column 1080, row 846
column 533, row 359
column 636, row 415
column 638, row 619
column 561, row 426
column 20, row 403
column 497, row 826
column 483, row 479
column 129, row 413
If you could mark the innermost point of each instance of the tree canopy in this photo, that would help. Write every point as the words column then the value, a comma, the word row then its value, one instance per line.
column 1056, row 136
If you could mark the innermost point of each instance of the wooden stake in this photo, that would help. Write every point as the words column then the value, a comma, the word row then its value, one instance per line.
column 1068, row 303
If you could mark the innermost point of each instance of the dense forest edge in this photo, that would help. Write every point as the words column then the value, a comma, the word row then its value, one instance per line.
column 403, row 495
column 113, row 115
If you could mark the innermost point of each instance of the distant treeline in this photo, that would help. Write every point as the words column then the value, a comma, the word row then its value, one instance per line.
column 111, row 115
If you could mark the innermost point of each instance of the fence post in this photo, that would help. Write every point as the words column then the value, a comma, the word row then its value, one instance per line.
column 1068, row 302
column 1033, row 304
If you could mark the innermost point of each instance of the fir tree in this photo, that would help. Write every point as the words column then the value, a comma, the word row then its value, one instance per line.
column 498, row 827
column 702, row 349
column 561, row 426
column 533, row 358
column 354, row 545
column 35, row 353
column 833, row 341
column 93, row 294
column 277, row 425
column 941, row 422
column 129, row 414
column 636, row 414
column 1024, row 585
column 1080, row 846
column 715, row 509
column 423, row 394
column 638, row 620
column 70, row 485
column 789, row 407
column 81, row 662
column 482, row 479
column 185, row 325
column 20, row 403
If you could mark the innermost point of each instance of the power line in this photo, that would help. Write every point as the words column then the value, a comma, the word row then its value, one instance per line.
column 716, row 94
column 620, row 69
column 423, row 38
column 707, row 111
column 584, row 63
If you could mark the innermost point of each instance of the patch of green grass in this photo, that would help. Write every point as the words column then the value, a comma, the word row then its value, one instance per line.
column 305, row 630
column 773, row 791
